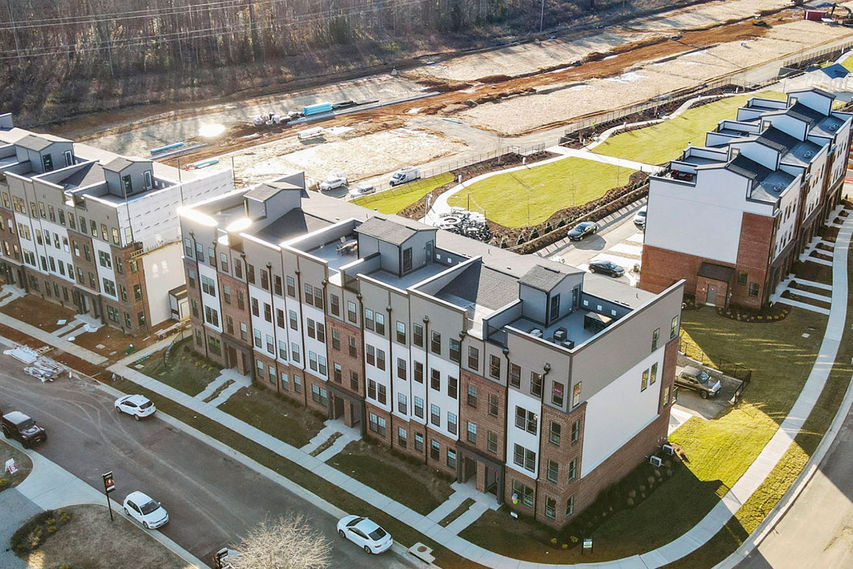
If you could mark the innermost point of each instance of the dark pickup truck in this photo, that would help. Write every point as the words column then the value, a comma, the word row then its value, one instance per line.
column 22, row 428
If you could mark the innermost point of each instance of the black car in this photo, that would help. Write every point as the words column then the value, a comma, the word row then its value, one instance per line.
column 581, row 230
column 22, row 428
column 606, row 268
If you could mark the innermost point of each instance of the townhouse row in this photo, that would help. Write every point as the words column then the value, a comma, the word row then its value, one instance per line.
column 731, row 217
column 532, row 380
column 94, row 231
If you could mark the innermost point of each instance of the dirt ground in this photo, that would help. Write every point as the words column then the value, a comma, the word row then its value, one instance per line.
column 49, row 314
column 115, row 341
column 90, row 540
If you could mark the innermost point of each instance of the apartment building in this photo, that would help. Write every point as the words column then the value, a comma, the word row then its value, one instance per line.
column 533, row 380
column 732, row 216
column 92, row 230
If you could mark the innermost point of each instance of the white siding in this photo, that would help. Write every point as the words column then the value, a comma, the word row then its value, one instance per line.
column 164, row 270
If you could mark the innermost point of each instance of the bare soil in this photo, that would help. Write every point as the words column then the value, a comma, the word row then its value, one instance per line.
column 36, row 311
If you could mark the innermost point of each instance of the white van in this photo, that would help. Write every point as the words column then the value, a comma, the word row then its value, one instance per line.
column 403, row 175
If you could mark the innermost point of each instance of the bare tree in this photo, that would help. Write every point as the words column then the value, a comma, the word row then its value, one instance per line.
column 284, row 543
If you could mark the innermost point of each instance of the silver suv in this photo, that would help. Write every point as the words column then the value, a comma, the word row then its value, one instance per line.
column 698, row 380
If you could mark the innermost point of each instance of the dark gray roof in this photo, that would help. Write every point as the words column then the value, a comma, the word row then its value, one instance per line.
column 265, row 191
column 777, row 139
column 484, row 286
column 34, row 142
column 386, row 230
column 91, row 173
column 292, row 224
column 542, row 278
column 716, row 272
column 806, row 114
column 813, row 90
column 118, row 164
column 747, row 168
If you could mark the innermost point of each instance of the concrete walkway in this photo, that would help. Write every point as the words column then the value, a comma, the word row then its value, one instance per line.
column 239, row 382
column 52, row 340
column 332, row 427
column 49, row 486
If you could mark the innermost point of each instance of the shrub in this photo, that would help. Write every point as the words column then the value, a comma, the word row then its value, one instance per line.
column 3, row 483
column 35, row 531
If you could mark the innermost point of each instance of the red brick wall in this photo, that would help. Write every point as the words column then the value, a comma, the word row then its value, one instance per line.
column 390, row 429
column 661, row 268
column 348, row 363
column 562, row 454
column 754, row 249
column 480, row 416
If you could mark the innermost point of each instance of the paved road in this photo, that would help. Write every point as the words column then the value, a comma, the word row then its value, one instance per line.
column 211, row 498
column 817, row 532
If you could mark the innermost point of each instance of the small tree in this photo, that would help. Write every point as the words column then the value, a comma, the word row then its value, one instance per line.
column 284, row 543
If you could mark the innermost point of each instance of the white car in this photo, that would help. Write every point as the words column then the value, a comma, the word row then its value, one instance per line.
column 640, row 218
column 333, row 183
column 138, row 406
column 365, row 533
column 362, row 190
column 145, row 510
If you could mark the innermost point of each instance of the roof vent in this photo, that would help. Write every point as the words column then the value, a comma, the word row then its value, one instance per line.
column 834, row 126
column 778, row 187
column 808, row 154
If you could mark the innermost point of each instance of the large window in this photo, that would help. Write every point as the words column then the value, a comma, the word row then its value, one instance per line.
column 576, row 393
column 494, row 367
column 557, row 394
column 553, row 473
column 435, row 344
column 522, row 493
column 524, row 458
column 525, row 420
column 472, row 396
column 493, row 405
column 472, row 432
column 655, row 338
column 515, row 375
column 418, row 335
column 376, row 424
column 535, row 384
column 554, row 432
column 435, row 415
column 493, row 442
column 455, row 351
column 473, row 358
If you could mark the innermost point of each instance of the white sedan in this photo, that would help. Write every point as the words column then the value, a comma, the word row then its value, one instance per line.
column 145, row 510
column 365, row 533
column 138, row 406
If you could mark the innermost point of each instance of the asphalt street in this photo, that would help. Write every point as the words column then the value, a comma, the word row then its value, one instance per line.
column 817, row 531
column 211, row 499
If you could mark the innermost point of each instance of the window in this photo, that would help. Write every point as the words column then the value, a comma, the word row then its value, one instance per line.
column 576, row 393
column 473, row 358
column 294, row 355
column 291, row 316
column 47, row 163
column 207, row 286
column 419, row 442
column 353, row 380
column 554, row 432
column 451, row 458
column 371, row 389
column 452, row 387
column 109, row 287
column 291, row 286
column 435, row 379
column 472, row 396
column 644, row 382
column 402, row 437
column 255, row 310
column 535, row 384
column 576, row 431
column 244, row 331
column 525, row 420
column 104, row 259
column 673, row 327
column 282, row 349
column 297, row 383
column 570, row 506
column 353, row 349
column 451, row 423
column 435, row 344
column 492, row 442
column 371, row 355
column 741, row 278
column 654, row 375
column 223, row 262
column 336, row 340
column 655, row 338
column 380, row 359
column 455, row 350
column 407, row 260
column 472, row 432
column 250, row 272
column 515, row 375
column 557, row 394
column 277, row 285
column 312, row 358
column 665, row 397
column 434, row 449
column 493, row 405
column 419, row 372
column 402, row 406
column 524, row 458
column 522, row 493
column 351, row 312
column 401, row 368
column 418, row 335
column 553, row 472
column 334, row 304
column 380, row 324
column 435, row 415
column 241, row 303
column 753, row 289
column 369, row 323
column 320, row 395
column 127, row 183
column 554, row 308
column 419, row 407
column 377, row 424
column 494, row 366
column 401, row 332
column 550, row 508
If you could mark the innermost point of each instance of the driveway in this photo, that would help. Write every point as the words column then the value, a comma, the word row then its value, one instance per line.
column 212, row 499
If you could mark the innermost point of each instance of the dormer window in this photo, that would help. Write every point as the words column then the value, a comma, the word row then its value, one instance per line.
column 47, row 162
column 147, row 177
column 69, row 158
column 128, row 186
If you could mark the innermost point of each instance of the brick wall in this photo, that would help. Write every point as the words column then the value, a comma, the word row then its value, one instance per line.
column 349, row 364
column 561, row 453
column 479, row 414
column 383, row 439
column 662, row 268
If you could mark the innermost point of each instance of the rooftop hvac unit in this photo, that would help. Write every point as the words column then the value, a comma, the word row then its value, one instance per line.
column 536, row 332
column 560, row 335
column 667, row 449
column 569, row 344
column 655, row 461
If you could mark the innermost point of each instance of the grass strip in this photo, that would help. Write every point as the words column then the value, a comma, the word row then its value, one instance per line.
column 397, row 199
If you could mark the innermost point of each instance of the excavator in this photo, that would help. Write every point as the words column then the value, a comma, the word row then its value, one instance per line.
column 846, row 20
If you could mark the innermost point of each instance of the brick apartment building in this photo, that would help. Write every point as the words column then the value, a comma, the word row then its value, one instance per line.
column 523, row 376
column 731, row 217
column 92, row 230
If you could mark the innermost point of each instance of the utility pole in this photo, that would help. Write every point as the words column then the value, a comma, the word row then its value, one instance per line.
column 541, row 15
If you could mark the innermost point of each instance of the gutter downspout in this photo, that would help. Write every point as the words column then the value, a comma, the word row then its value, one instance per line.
column 427, row 379
column 304, row 355
column 274, row 332
column 547, row 370
column 362, row 362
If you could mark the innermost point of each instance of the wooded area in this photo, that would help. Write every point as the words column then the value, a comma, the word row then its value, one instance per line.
column 65, row 56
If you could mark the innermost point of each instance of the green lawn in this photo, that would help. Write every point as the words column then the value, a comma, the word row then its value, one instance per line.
column 848, row 63
column 393, row 201
column 532, row 195
column 186, row 370
column 411, row 484
column 665, row 141
column 273, row 414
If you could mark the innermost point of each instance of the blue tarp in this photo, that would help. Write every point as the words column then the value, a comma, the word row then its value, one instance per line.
column 835, row 71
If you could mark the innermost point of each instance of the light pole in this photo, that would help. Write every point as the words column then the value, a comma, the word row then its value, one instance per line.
column 541, row 15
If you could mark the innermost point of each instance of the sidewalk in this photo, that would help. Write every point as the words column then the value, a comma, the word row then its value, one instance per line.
column 52, row 340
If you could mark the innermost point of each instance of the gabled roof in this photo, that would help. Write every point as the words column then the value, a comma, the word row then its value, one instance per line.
column 777, row 139
column 835, row 71
column 265, row 191
column 119, row 163
column 817, row 90
column 34, row 142
column 387, row 230
column 542, row 278
column 484, row 286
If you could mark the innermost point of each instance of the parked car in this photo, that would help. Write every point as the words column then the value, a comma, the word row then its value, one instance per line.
column 145, row 510
column 138, row 406
column 333, row 183
column 22, row 428
column 403, row 175
column 365, row 533
column 607, row 268
column 583, row 229
column 362, row 190
column 640, row 218
column 698, row 380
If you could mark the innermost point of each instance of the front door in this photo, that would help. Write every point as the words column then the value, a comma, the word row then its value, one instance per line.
column 337, row 406
column 469, row 469
column 711, row 297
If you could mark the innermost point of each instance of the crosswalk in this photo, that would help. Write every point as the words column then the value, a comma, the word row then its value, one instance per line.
column 627, row 253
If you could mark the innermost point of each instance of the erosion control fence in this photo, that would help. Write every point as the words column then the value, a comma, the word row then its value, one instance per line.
column 727, row 367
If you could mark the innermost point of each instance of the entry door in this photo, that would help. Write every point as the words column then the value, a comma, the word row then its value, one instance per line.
column 711, row 297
